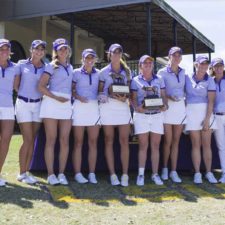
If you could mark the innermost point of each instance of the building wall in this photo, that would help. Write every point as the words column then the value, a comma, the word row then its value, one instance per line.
column 23, row 31
column 2, row 29
column 26, row 30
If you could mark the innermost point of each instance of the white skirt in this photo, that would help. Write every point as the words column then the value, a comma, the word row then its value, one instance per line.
column 86, row 114
column 115, row 112
column 51, row 108
column 176, row 113
column 144, row 123
column 195, row 116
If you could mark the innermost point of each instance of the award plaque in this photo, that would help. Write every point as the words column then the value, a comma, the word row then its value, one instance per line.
column 120, row 89
column 153, row 101
column 119, row 86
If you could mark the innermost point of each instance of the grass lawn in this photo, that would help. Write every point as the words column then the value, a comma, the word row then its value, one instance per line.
column 103, row 204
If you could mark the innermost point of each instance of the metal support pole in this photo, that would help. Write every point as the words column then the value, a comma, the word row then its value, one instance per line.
column 194, row 50
column 155, row 65
column 209, row 50
column 72, row 30
column 174, row 32
column 149, row 29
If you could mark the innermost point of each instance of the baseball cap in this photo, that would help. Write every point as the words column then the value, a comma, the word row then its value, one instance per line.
column 202, row 59
column 36, row 43
column 144, row 57
column 4, row 42
column 115, row 46
column 217, row 61
column 87, row 52
column 175, row 49
column 59, row 43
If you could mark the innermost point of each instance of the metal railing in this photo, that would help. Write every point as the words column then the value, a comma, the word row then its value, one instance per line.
column 132, row 64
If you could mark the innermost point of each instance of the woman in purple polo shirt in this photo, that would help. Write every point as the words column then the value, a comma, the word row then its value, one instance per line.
column 115, row 110
column 27, row 107
column 86, row 114
column 217, row 70
column 148, row 122
column 56, row 109
column 200, row 95
column 175, row 116
column 9, row 80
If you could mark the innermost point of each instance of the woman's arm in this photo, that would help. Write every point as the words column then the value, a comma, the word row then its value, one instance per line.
column 134, row 103
column 16, row 83
column 211, row 99
column 165, row 100
column 76, row 96
column 42, row 87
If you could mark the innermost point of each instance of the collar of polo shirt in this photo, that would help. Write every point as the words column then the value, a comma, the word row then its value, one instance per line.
column 169, row 69
column 205, row 78
column 141, row 76
column 85, row 72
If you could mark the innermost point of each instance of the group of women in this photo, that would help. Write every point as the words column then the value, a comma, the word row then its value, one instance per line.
column 194, row 103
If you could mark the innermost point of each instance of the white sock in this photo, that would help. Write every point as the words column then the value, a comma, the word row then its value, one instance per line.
column 141, row 171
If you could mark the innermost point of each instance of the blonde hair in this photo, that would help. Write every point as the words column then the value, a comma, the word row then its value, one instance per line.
column 55, row 60
column 126, row 68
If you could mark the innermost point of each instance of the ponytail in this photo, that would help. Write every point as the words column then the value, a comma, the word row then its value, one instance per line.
column 126, row 68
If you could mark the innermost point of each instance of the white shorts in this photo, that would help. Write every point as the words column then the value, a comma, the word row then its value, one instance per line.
column 115, row 112
column 51, row 108
column 195, row 116
column 27, row 111
column 7, row 113
column 176, row 113
column 86, row 114
column 144, row 123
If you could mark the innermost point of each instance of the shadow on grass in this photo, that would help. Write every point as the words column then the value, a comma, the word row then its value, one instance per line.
column 101, row 194
column 104, row 194
column 24, row 195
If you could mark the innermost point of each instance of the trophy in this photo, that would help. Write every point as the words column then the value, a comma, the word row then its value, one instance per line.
column 119, row 87
column 152, row 101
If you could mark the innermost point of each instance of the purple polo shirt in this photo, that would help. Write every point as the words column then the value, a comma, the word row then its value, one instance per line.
column 197, row 91
column 60, row 78
column 139, row 82
column 107, row 79
column 86, row 84
column 219, row 105
column 7, row 76
column 174, row 83
column 30, row 76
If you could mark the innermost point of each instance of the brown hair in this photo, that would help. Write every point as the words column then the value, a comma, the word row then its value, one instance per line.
column 212, row 72
column 123, row 64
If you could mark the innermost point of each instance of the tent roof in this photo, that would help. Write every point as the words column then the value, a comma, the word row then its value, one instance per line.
column 123, row 21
